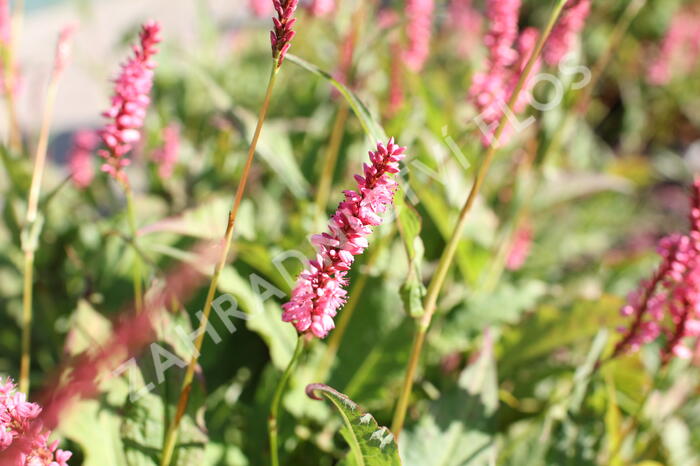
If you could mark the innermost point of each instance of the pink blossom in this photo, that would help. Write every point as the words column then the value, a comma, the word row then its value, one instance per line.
column 260, row 8
column 129, row 102
column 63, row 50
column 492, row 90
column 281, row 36
column 166, row 156
column 503, row 30
column 465, row 23
column 668, row 303
column 80, row 158
column 570, row 24
column 320, row 288
column 321, row 7
column 680, row 50
column 19, row 424
column 419, row 17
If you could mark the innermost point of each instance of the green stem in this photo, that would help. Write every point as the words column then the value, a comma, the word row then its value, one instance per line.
column 171, row 434
column 275, row 406
column 448, row 254
column 136, row 271
column 30, row 235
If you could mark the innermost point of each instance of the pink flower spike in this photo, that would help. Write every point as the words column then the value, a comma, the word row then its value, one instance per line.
column 63, row 50
column 418, row 31
column 281, row 36
column 320, row 289
column 129, row 102
column 668, row 304
column 680, row 50
column 571, row 23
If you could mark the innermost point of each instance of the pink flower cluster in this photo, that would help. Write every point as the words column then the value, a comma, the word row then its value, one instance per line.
column 80, row 158
column 319, row 291
column 680, row 50
column 166, row 156
column 419, row 15
column 668, row 303
column 322, row 7
column 17, row 418
column 564, row 34
column 508, row 56
column 260, row 8
column 281, row 36
column 465, row 23
column 129, row 102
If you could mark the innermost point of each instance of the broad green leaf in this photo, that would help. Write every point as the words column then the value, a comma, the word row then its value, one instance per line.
column 459, row 428
column 370, row 444
column 369, row 123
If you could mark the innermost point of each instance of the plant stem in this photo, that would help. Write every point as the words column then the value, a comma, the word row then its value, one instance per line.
column 275, row 406
column 331, row 158
column 171, row 435
column 31, row 231
column 448, row 254
column 136, row 271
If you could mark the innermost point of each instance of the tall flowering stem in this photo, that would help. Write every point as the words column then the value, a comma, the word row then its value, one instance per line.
column 280, row 39
column 438, row 279
column 125, row 120
column 320, row 289
column 32, row 225
column 668, row 303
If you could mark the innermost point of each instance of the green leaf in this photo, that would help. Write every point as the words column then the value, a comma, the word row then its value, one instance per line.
column 370, row 444
column 409, row 223
column 369, row 123
column 460, row 427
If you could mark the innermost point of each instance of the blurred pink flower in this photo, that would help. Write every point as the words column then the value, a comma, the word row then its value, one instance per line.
column 669, row 302
column 282, row 35
column 5, row 23
column 129, row 102
column 503, row 31
column 320, row 289
column 166, row 156
column 260, row 8
column 63, row 50
column 465, row 23
column 419, row 17
column 321, row 7
column 564, row 34
column 80, row 158
column 680, row 50
column 18, row 421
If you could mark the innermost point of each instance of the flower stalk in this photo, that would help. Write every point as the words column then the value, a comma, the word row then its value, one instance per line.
column 277, row 398
column 171, row 434
column 32, row 227
column 436, row 283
